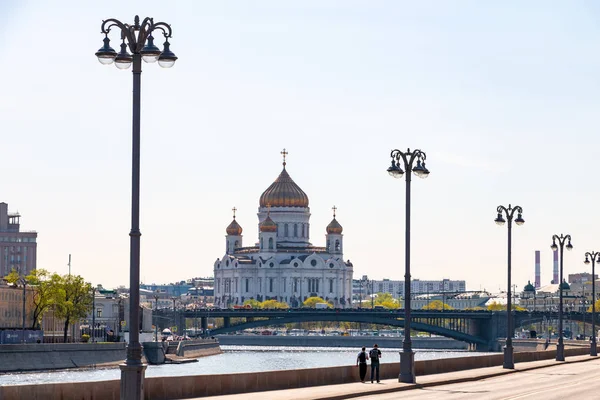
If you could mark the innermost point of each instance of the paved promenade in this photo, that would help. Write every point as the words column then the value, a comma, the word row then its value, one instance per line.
column 547, row 379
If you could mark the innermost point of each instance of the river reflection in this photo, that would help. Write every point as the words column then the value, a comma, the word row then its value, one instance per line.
column 234, row 359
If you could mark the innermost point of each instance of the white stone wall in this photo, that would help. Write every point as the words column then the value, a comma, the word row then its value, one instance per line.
column 297, row 220
column 319, row 274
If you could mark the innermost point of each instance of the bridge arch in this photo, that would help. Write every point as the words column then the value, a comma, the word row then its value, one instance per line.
column 377, row 320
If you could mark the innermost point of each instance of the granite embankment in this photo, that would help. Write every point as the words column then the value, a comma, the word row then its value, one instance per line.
column 428, row 343
column 181, row 387
column 157, row 352
column 49, row 356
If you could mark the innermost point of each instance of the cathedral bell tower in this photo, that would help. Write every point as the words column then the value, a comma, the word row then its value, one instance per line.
column 234, row 235
column 335, row 244
column 268, row 234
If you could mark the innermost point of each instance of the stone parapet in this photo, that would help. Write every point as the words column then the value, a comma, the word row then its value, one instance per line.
column 48, row 356
column 181, row 387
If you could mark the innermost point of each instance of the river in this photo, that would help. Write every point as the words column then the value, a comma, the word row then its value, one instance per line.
column 235, row 359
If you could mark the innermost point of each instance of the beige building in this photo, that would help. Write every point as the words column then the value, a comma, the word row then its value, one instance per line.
column 11, row 307
column 18, row 249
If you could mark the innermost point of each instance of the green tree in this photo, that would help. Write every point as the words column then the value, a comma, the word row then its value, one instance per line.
column 42, row 292
column 252, row 303
column 273, row 304
column 386, row 300
column 437, row 305
column 72, row 299
column 596, row 306
column 502, row 307
column 311, row 301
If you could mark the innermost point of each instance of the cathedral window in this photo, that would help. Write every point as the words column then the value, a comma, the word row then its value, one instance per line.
column 236, row 245
column 247, row 285
column 271, row 285
column 302, row 230
column 227, row 246
column 270, row 243
column 287, row 232
column 261, row 243
column 337, row 245
column 330, row 285
column 295, row 230
column 313, row 262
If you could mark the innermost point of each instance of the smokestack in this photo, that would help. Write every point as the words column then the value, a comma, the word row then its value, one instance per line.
column 538, row 279
column 555, row 274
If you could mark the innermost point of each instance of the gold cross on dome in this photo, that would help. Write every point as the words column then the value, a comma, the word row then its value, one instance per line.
column 234, row 210
column 284, row 153
column 334, row 208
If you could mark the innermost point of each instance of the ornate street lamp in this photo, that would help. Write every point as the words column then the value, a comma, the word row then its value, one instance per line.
column 156, row 297
column 138, row 40
column 509, row 362
column 406, row 160
column 594, row 256
column 562, row 239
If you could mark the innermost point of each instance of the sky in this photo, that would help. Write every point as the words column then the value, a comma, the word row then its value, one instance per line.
column 502, row 96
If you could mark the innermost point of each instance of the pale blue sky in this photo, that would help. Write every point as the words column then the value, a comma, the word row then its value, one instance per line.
column 503, row 97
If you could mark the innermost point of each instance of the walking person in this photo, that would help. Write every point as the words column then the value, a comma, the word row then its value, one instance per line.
column 361, row 362
column 375, row 355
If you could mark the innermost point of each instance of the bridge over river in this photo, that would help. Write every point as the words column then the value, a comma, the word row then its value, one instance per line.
column 479, row 328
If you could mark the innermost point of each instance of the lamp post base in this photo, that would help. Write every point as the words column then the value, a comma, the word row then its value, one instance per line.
column 132, row 381
column 509, row 361
column 560, row 352
column 593, row 349
column 407, row 367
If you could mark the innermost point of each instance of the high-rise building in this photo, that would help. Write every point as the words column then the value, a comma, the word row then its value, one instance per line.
column 18, row 249
column 362, row 288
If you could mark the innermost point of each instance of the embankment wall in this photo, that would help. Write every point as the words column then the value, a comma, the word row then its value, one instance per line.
column 181, row 387
column 48, row 356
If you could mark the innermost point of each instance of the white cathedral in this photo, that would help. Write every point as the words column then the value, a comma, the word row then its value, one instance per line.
column 283, row 265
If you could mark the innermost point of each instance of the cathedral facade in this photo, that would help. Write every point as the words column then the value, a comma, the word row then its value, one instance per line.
column 283, row 265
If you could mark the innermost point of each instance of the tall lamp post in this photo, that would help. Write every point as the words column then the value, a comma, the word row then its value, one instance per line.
column 23, row 281
column 407, row 160
column 562, row 239
column 594, row 256
column 139, row 40
column 93, row 315
column 509, row 362
column 156, row 319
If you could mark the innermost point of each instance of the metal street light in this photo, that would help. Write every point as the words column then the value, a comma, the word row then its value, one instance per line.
column 23, row 281
column 156, row 296
column 562, row 239
column 139, row 40
column 93, row 315
column 407, row 159
column 594, row 256
column 509, row 362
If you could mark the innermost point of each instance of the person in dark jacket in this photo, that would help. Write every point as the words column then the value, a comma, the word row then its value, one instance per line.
column 375, row 355
column 361, row 362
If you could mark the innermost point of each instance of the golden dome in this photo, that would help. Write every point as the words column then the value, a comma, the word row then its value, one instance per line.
column 234, row 229
column 284, row 193
column 334, row 227
column 268, row 225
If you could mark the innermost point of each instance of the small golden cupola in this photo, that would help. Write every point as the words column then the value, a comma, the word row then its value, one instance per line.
column 268, row 225
column 334, row 226
column 234, row 229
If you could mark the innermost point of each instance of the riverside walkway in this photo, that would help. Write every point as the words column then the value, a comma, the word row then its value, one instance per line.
column 530, row 380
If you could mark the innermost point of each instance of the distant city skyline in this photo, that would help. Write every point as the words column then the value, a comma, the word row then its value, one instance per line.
column 502, row 97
